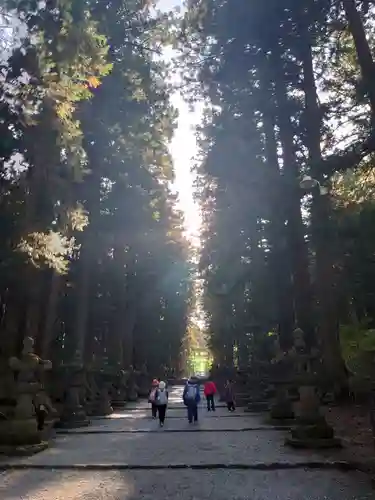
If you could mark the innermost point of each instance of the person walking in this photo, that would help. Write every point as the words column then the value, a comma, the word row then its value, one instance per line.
column 209, row 391
column 229, row 395
column 161, row 398
column 191, row 398
column 151, row 398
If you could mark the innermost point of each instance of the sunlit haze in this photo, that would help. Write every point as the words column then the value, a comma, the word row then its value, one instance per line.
column 183, row 149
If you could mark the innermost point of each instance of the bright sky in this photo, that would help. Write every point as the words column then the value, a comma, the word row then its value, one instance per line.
column 183, row 148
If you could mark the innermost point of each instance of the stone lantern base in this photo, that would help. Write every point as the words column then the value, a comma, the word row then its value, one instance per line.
column 257, row 406
column 314, row 444
column 118, row 391
column 313, row 433
column 102, row 406
column 132, row 393
column 119, row 401
column 73, row 413
column 311, row 429
column 280, row 422
column 21, row 437
column 259, row 399
column 72, row 418
column 281, row 410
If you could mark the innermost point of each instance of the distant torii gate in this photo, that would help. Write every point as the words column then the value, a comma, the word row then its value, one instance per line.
column 200, row 360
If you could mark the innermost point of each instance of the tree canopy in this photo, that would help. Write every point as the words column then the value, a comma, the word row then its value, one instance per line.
column 94, row 261
column 95, row 264
column 288, row 87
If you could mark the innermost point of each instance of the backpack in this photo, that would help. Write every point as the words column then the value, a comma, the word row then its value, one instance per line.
column 191, row 393
column 152, row 396
column 162, row 397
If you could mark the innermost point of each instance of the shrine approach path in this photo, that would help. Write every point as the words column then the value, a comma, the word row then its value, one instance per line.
column 226, row 456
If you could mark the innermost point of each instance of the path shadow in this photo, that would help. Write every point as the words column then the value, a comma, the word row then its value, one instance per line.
column 186, row 485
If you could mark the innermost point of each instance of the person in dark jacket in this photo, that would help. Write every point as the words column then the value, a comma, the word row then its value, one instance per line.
column 229, row 395
column 161, row 399
column 191, row 397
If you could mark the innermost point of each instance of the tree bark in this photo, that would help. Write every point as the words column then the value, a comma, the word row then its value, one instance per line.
column 10, row 328
column 364, row 55
column 51, row 314
column 295, row 227
column 322, row 228
column 119, row 304
column 82, row 304
column 281, row 265
column 128, row 323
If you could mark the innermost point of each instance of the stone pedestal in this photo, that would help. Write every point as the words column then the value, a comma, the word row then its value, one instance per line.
column 19, row 433
column 311, row 429
column 258, row 397
column 97, row 393
column 281, row 411
column 118, row 389
column 73, row 413
column 131, row 387
column 257, row 407
column 143, row 383
column 91, row 392
column 259, row 402
column 132, row 393
column 103, row 403
column 21, row 437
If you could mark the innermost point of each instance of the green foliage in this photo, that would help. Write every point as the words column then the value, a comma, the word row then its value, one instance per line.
column 358, row 348
column 59, row 62
column 264, row 127
column 90, row 222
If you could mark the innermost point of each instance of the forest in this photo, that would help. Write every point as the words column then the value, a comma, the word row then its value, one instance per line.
column 285, row 177
column 95, row 265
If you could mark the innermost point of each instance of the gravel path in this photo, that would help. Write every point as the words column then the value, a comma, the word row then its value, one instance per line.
column 132, row 439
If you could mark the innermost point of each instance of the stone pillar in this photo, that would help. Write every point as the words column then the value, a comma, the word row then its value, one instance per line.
column 119, row 393
column 281, row 411
column 102, row 405
column 311, row 429
column 132, row 389
column 258, row 398
column 73, row 413
column 19, row 430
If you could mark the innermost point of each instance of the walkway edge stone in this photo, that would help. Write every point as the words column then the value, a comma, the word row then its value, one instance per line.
column 338, row 465
column 164, row 430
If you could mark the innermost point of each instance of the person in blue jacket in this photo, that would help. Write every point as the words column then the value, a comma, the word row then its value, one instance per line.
column 192, row 397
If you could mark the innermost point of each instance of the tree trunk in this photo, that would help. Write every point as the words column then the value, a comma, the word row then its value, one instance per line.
column 128, row 323
column 82, row 297
column 119, row 304
column 295, row 227
column 322, row 228
column 51, row 314
column 281, row 265
column 362, row 47
column 10, row 330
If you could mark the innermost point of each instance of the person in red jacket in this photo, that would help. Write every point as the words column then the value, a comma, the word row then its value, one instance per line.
column 209, row 392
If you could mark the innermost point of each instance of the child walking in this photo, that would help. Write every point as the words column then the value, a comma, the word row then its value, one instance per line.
column 161, row 399
column 151, row 398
